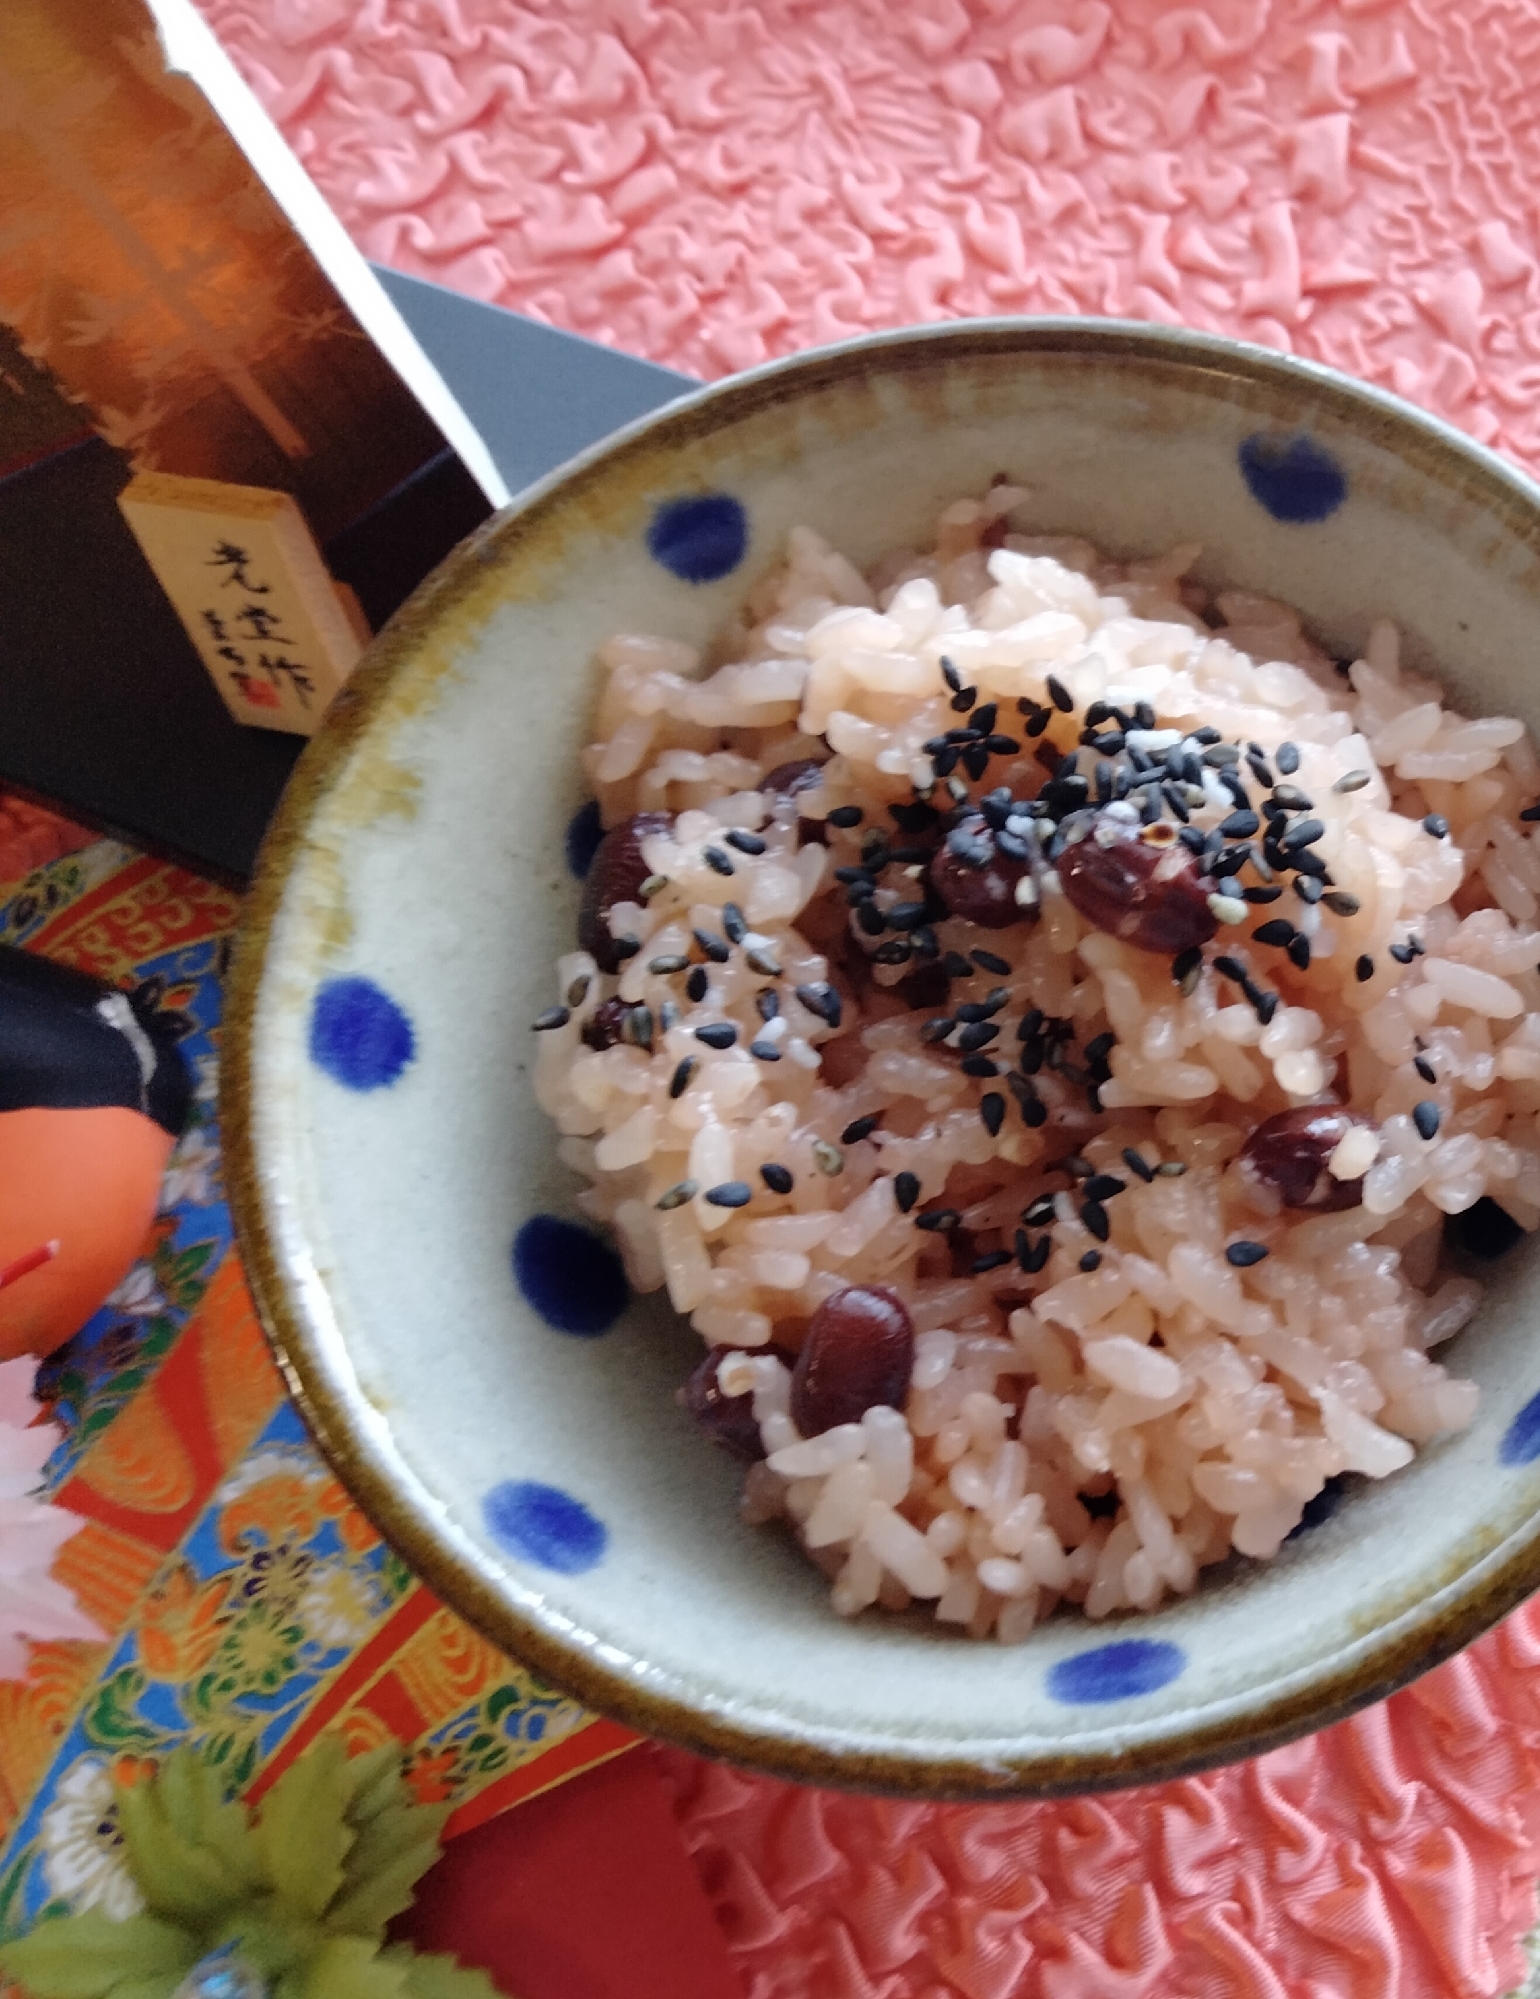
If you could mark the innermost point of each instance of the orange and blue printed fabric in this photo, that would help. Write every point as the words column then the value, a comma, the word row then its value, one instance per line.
column 250, row 1605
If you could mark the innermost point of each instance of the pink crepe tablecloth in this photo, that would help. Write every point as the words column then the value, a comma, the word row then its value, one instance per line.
column 710, row 184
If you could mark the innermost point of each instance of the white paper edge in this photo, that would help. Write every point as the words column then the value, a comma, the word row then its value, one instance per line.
column 191, row 50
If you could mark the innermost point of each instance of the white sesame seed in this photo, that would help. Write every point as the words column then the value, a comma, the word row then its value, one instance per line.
column 1229, row 908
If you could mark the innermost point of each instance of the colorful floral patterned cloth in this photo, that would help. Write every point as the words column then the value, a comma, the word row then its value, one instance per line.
column 250, row 1605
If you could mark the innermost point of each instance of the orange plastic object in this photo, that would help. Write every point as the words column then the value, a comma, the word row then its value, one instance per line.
column 88, row 1179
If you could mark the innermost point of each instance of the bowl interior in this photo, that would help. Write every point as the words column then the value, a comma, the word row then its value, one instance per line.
column 386, row 1147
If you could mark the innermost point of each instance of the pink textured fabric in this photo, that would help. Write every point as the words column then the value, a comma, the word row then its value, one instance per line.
column 1392, row 1857
column 709, row 184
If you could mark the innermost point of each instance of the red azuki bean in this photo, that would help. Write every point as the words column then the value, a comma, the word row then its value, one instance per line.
column 602, row 1028
column 1148, row 893
column 615, row 875
column 1288, row 1154
column 859, row 1353
column 727, row 1420
column 975, row 880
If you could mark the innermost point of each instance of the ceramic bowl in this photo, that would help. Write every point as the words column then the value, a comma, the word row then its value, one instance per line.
column 466, row 1351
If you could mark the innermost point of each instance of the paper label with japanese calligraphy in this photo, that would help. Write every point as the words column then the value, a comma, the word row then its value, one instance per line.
column 247, row 581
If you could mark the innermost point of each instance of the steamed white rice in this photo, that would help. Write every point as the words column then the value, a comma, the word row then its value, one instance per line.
column 1198, row 1406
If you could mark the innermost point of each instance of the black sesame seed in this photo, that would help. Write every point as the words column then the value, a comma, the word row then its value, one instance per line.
column 1259, row 771
column 625, row 947
column 845, row 816
column 671, row 961
column 719, row 863
column 554, row 1016
column 951, row 676
column 1232, row 968
column 938, row 1221
column 1307, row 862
column 988, row 962
column 715, row 948
column 731, row 1194
column 1530, row 813
column 1425, row 1069
column 734, row 923
column 637, row 1027
column 1185, row 967
column 1102, row 1186
column 869, row 918
column 1287, row 759
column 1436, row 824
column 1402, row 953
column 859, row 1128
column 1144, row 714
column 1353, row 780
column 978, row 1065
column 1426, row 1116
column 906, row 915
column 1173, row 796
column 937, row 1029
column 1244, row 1254
column 1299, row 952
column 1267, row 894
column 906, row 1191
column 992, row 1112
column 855, row 877
column 1092, row 1260
column 1292, row 799
column 1007, row 746
column 994, row 1259
column 977, row 1034
column 718, row 1034
column 1040, row 1212
column 1095, row 715
column 1095, row 1218
column 1303, row 833
column 1363, row 968
column 697, row 984
column 777, row 1178
column 984, row 719
column 763, row 963
column 1206, row 736
column 746, row 843
column 1136, row 1162
column 1240, row 825
column 1277, row 931
column 679, row 1082
column 1263, row 1005
column 677, row 1195
column 961, row 703
column 823, row 1001
column 767, row 1003
column 1059, row 695
column 1098, row 1049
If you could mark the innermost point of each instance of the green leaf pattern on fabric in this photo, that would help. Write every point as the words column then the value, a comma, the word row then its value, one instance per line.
column 303, row 1894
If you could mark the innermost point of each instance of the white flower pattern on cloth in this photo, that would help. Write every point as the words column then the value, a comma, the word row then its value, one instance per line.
column 139, row 1295
column 33, row 1606
column 192, row 1173
column 335, row 1607
column 83, row 1845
